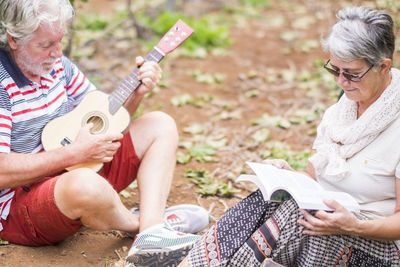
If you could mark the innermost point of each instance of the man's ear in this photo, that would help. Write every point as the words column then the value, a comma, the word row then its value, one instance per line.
column 11, row 42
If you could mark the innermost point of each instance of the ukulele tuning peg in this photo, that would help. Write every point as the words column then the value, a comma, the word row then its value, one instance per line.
column 174, row 37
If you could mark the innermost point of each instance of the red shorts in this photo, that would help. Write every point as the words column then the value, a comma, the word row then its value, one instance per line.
column 34, row 218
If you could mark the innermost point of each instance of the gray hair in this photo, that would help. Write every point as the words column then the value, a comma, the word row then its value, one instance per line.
column 21, row 18
column 361, row 33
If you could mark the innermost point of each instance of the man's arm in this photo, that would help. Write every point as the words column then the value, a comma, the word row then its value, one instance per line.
column 18, row 169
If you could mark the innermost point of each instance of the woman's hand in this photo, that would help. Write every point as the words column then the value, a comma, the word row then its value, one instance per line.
column 340, row 221
column 279, row 163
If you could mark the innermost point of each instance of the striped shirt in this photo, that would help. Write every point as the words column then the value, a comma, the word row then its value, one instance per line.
column 26, row 107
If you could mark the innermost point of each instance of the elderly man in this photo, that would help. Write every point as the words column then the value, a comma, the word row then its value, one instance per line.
column 40, row 203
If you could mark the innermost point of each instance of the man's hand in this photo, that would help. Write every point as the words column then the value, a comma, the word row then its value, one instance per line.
column 150, row 74
column 340, row 221
column 279, row 163
column 89, row 147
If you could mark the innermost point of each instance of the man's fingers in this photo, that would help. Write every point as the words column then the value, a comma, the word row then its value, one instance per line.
column 88, row 126
column 139, row 61
column 115, row 146
column 150, row 66
column 113, row 137
column 107, row 159
column 148, row 83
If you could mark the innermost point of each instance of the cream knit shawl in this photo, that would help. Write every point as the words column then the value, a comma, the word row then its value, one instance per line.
column 341, row 135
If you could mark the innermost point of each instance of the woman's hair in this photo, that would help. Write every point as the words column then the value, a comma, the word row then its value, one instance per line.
column 21, row 18
column 361, row 33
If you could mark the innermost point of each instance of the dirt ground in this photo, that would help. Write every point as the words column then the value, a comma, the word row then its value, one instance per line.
column 257, row 50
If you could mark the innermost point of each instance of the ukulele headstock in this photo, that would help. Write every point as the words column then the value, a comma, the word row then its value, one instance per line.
column 174, row 37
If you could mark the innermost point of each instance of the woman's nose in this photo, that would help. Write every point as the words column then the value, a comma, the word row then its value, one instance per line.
column 341, row 80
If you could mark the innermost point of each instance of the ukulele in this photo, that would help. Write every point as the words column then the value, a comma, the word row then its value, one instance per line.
column 106, row 111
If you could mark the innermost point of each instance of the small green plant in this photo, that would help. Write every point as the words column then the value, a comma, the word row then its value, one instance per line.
column 91, row 22
column 206, row 34
column 256, row 3
column 182, row 158
column 203, row 153
column 277, row 150
column 392, row 5
column 73, row 1
column 208, row 186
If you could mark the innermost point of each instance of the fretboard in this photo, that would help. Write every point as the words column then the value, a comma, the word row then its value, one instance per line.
column 126, row 88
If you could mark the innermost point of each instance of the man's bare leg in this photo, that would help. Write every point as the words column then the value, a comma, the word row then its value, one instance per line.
column 155, row 139
column 85, row 195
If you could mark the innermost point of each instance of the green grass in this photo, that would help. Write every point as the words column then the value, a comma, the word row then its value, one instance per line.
column 207, row 34
column 256, row 3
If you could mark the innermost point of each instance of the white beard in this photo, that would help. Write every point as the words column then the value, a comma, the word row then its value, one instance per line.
column 24, row 61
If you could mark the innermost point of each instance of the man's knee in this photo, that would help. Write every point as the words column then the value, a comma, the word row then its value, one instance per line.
column 157, row 125
column 81, row 188
column 166, row 125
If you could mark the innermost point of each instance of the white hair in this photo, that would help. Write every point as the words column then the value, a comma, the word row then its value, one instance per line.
column 361, row 33
column 21, row 18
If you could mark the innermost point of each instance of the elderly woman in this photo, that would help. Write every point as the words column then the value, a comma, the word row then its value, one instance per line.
column 356, row 151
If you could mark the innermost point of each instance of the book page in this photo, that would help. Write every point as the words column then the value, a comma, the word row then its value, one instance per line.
column 254, row 179
column 313, row 200
column 274, row 178
column 308, row 193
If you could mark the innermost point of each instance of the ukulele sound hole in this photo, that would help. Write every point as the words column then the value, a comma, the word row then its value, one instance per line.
column 98, row 124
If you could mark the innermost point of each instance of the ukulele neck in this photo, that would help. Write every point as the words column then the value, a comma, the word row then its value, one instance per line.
column 118, row 97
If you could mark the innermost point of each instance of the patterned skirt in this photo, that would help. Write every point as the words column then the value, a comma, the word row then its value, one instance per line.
column 254, row 230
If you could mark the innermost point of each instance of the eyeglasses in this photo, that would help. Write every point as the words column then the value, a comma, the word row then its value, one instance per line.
column 347, row 75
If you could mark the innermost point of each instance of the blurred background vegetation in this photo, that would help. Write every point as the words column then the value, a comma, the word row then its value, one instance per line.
column 137, row 25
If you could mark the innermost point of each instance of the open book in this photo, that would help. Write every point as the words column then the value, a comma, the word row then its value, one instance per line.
column 279, row 184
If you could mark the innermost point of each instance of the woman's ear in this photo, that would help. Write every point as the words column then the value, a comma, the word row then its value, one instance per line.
column 12, row 42
column 386, row 65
